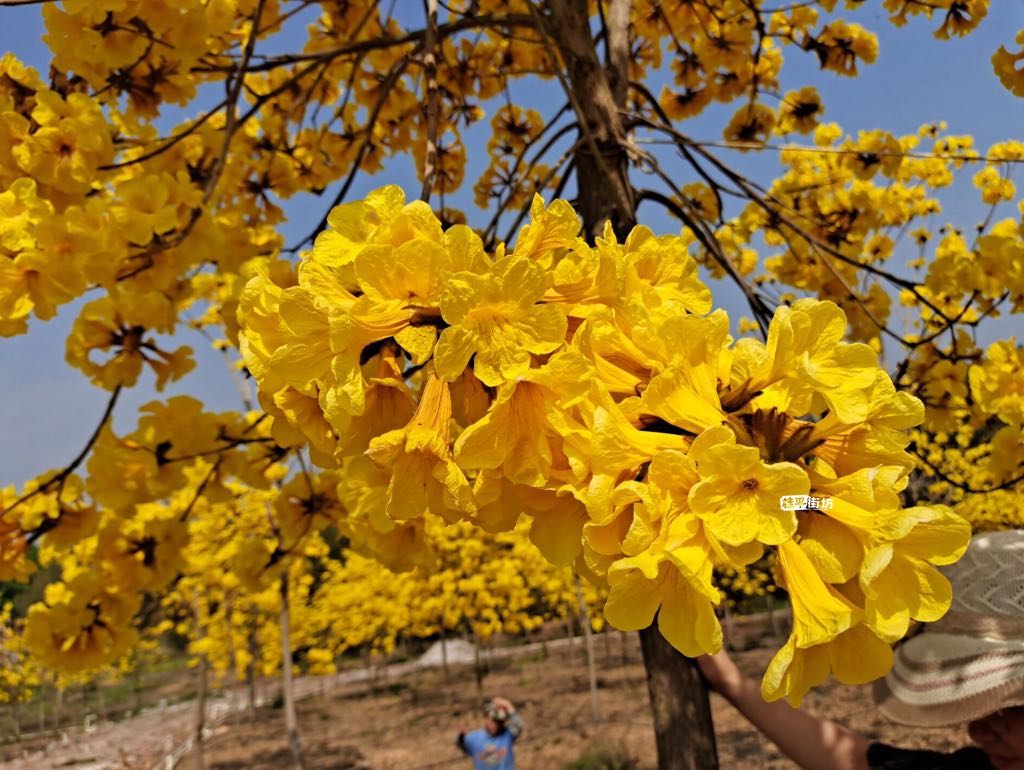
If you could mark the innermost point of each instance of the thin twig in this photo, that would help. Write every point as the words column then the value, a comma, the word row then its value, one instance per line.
column 61, row 476
column 234, row 88
column 396, row 72
column 382, row 42
column 757, row 306
column 168, row 142
column 936, row 471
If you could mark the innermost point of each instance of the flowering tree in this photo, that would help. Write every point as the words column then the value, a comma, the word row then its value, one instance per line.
column 20, row 676
column 569, row 371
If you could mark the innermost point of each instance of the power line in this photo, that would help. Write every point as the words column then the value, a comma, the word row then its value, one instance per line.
column 760, row 146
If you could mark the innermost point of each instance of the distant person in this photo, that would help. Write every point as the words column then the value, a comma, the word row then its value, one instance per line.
column 490, row 747
column 966, row 667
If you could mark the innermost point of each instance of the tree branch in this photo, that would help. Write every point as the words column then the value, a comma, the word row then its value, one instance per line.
column 433, row 98
column 61, row 476
column 378, row 43
column 395, row 73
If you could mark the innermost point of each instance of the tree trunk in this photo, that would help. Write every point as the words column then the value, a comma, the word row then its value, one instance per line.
column 679, row 698
column 679, row 701
column 444, row 659
column 136, row 692
column 371, row 674
column 200, row 713
column 479, row 666
column 588, row 642
column 250, row 671
column 233, row 710
column 291, row 723
column 233, row 692
column 602, row 164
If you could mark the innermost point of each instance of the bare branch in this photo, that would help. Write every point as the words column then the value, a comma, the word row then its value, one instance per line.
column 234, row 88
column 61, row 476
column 396, row 72
column 617, row 21
column 170, row 141
column 569, row 153
column 432, row 98
column 762, row 314
column 382, row 42
column 491, row 230
column 943, row 476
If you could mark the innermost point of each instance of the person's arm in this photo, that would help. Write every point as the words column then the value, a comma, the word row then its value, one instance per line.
column 460, row 739
column 514, row 724
column 812, row 742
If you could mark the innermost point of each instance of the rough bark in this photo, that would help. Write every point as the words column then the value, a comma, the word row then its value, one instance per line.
column 602, row 163
column 433, row 102
column 617, row 21
column 681, row 709
column 291, row 723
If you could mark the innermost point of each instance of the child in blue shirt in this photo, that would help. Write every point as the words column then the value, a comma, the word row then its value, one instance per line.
column 490, row 748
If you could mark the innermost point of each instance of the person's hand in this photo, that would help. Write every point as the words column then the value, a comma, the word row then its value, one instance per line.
column 1001, row 736
column 504, row 703
column 720, row 672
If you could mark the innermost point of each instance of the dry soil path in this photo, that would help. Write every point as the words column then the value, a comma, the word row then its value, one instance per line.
column 143, row 742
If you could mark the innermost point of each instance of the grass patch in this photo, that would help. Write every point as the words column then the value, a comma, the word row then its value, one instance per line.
column 603, row 757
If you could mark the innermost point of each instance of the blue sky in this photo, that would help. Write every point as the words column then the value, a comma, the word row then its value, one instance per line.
column 48, row 409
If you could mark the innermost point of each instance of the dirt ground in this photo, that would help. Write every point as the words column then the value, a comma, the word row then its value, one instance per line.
column 410, row 723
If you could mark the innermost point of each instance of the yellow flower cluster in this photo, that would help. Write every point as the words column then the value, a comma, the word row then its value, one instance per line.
column 19, row 674
column 835, row 215
column 589, row 388
column 994, row 511
column 474, row 582
column 753, row 580
column 972, row 439
column 583, row 384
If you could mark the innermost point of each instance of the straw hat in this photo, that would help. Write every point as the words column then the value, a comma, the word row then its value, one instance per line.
column 970, row 663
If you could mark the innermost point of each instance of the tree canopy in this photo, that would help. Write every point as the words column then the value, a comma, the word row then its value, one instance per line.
column 540, row 362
